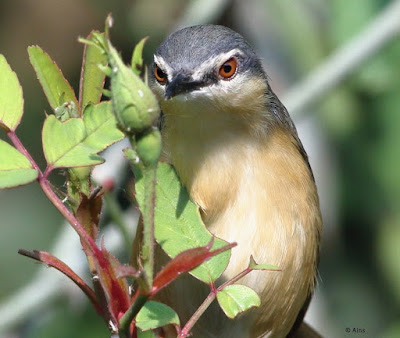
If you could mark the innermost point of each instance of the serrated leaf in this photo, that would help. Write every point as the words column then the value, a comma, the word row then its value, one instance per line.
column 154, row 314
column 75, row 142
column 178, row 224
column 11, row 99
column 235, row 299
column 63, row 144
column 101, row 132
column 137, row 58
column 53, row 82
column 101, row 126
column 15, row 168
column 92, row 78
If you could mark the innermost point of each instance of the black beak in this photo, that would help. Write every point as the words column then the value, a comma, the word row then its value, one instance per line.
column 180, row 84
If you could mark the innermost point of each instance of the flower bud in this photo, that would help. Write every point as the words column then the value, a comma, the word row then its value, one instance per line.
column 148, row 147
column 134, row 105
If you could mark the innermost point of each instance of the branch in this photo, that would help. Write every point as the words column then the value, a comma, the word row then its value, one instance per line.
column 34, row 297
column 45, row 185
column 384, row 28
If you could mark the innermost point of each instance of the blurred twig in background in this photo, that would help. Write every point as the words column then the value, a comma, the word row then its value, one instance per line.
column 347, row 59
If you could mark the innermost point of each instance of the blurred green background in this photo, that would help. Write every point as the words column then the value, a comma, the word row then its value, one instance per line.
column 352, row 136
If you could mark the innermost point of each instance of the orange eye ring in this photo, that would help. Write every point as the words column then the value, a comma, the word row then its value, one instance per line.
column 228, row 69
column 159, row 75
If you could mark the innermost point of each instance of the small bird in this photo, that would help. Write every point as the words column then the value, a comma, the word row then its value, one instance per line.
column 237, row 152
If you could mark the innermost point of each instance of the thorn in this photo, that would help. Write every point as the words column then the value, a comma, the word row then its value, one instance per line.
column 112, row 326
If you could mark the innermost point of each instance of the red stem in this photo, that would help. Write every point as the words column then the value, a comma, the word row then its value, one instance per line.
column 44, row 183
column 17, row 143
column 210, row 298
column 193, row 320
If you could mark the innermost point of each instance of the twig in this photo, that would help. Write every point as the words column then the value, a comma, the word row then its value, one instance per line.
column 193, row 320
column 149, row 177
column 51, row 195
column 207, row 302
column 128, row 316
column 44, row 288
column 384, row 28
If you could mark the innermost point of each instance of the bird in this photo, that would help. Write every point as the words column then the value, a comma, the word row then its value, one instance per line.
column 237, row 152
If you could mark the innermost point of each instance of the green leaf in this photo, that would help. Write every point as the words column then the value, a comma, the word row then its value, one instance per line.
column 75, row 142
column 92, row 78
column 11, row 99
column 137, row 59
column 235, row 299
column 15, row 168
column 101, row 131
column 253, row 265
column 178, row 224
column 145, row 334
column 54, row 84
column 155, row 314
column 101, row 126
column 63, row 144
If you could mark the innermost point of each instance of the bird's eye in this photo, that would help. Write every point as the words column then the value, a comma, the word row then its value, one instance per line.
column 159, row 75
column 228, row 69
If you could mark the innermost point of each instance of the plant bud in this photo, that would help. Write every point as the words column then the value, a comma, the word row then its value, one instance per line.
column 148, row 147
column 134, row 105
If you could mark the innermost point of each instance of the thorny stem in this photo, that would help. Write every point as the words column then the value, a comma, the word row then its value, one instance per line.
column 45, row 185
column 126, row 319
column 145, row 281
column 18, row 144
column 149, row 176
column 147, row 210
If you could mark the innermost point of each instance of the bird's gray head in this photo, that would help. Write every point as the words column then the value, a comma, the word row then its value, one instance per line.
column 204, row 60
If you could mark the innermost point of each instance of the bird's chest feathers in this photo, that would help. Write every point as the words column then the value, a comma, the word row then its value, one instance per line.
column 256, row 191
column 210, row 158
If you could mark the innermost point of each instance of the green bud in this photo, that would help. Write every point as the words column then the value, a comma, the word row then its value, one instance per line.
column 105, row 69
column 106, row 93
column 134, row 105
column 148, row 147
column 66, row 111
column 137, row 59
column 131, row 156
